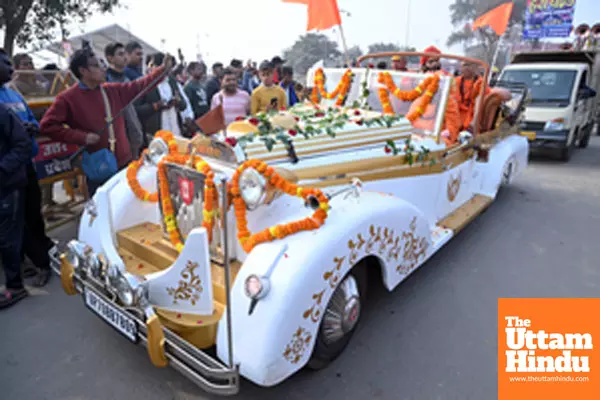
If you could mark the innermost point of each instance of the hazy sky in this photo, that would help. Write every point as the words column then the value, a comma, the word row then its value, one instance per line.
column 260, row 29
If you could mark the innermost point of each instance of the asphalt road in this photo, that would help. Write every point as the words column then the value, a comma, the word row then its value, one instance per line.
column 434, row 337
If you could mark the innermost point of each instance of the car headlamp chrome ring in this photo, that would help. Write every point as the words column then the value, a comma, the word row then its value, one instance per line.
column 256, row 287
column 77, row 252
column 127, row 287
column 157, row 149
column 253, row 187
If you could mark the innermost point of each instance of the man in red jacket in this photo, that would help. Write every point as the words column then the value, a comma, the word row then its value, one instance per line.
column 79, row 112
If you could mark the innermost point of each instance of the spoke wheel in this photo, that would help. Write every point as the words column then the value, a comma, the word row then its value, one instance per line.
column 340, row 318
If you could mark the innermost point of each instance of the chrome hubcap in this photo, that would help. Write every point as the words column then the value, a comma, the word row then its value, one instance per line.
column 342, row 312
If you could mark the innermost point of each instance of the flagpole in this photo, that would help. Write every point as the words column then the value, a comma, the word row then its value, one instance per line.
column 495, row 58
column 344, row 45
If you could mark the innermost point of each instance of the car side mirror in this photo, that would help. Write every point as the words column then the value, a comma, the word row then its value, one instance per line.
column 585, row 94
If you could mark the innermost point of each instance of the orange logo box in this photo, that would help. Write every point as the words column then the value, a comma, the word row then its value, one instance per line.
column 548, row 349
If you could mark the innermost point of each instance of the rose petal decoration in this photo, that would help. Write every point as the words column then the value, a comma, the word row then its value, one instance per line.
column 253, row 121
column 240, row 118
column 231, row 141
column 292, row 132
column 387, row 149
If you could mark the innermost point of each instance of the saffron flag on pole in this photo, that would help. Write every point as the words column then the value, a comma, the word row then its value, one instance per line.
column 322, row 14
column 497, row 18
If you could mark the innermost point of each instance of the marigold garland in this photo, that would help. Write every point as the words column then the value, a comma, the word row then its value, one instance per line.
column 134, row 167
column 386, row 79
column 210, row 191
column 210, row 196
column 430, row 84
column 341, row 91
column 249, row 240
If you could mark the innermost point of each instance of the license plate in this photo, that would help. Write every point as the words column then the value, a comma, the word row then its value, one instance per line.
column 529, row 135
column 114, row 317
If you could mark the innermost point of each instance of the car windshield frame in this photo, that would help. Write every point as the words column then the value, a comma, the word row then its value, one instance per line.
column 564, row 78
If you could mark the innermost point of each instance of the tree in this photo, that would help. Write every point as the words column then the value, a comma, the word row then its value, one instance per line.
column 387, row 47
column 309, row 49
column 26, row 20
column 464, row 12
column 383, row 48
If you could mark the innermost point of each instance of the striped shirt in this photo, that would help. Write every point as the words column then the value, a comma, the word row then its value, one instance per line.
column 234, row 105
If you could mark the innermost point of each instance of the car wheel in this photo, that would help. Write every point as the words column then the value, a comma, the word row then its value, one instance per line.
column 585, row 140
column 567, row 152
column 340, row 319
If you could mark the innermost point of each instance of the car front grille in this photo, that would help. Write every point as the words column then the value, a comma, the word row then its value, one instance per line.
column 532, row 126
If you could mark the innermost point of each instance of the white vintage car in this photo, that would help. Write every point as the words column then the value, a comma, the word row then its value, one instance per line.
column 165, row 251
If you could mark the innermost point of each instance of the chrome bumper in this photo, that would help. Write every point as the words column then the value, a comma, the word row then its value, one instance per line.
column 205, row 371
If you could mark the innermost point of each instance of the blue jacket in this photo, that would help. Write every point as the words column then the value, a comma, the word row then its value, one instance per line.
column 249, row 84
column 132, row 73
column 15, row 152
column 15, row 102
column 291, row 94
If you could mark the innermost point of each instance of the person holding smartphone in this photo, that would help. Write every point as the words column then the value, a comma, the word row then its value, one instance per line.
column 268, row 96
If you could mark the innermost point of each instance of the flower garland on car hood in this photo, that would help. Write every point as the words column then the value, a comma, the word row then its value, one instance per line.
column 249, row 240
column 210, row 191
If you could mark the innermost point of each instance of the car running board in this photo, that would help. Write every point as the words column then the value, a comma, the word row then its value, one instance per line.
column 466, row 213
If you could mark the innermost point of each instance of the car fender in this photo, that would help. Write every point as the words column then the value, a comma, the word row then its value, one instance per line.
column 511, row 153
column 277, row 339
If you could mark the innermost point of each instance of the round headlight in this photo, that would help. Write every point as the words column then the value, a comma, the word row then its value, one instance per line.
column 77, row 252
column 252, row 188
column 256, row 287
column 157, row 149
column 124, row 291
column 124, row 284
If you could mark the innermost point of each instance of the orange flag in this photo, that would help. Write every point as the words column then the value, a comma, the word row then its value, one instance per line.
column 322, row 14
column 497, row 19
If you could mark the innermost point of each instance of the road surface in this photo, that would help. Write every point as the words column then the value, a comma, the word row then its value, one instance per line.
column 434, row 337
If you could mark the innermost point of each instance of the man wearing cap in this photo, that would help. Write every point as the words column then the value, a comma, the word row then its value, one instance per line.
column 277, row 62
column 399, row 63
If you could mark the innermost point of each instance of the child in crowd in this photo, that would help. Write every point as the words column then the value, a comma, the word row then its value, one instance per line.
column 268, row 96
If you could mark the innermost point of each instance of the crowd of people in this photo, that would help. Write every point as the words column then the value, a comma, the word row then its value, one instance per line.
column 166, row 97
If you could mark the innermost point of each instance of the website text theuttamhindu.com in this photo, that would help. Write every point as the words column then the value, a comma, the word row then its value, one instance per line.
column 531, row 378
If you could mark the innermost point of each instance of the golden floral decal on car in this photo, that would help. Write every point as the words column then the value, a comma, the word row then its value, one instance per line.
column 380, row 241
column 295, row 349
column 189, row 287
column 415, row 248
column 454, row 187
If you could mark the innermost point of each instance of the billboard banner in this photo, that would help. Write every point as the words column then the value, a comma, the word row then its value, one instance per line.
column 548, row 19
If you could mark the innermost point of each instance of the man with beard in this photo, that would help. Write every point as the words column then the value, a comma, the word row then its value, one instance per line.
column 469, row 85
column 452, row 122
column 236, row 102
column 115, row 55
